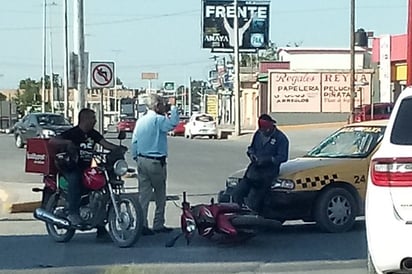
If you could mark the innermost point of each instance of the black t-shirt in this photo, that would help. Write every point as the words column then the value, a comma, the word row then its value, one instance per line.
column 85, row 142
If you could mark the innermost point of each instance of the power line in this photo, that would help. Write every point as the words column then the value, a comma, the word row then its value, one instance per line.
column 192, row 12
column 110, row 22
column 187, row 63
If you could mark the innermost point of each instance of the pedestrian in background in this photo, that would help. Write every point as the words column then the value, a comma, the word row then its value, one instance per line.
column 149, row 149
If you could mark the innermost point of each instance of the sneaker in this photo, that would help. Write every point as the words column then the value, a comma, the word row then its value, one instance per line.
column 147, row 231
column 102, row 233
column 163, row 230
column 75, row 220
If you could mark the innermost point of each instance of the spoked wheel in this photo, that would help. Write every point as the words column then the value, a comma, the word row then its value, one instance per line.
column 126, row 230
column 56, row 206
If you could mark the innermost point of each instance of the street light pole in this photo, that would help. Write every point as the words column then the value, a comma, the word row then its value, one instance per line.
column 43, row 80
column 66, row 61
column 352, row 60
column 80, row 96
column 236, row 82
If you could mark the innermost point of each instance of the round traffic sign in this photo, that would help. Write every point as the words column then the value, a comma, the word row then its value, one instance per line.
column 102, row 75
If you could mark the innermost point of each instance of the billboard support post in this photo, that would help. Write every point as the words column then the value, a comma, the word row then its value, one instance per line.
column 236, row 82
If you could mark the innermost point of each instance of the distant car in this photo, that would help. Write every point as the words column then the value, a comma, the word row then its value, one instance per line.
column 126, row 124
column 330, row 179
column 201, row 125
column 179, row 130
column 364, row 112
column 388, row 206
column 43, row 125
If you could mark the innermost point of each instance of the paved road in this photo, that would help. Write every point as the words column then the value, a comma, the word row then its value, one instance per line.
column 200, row 167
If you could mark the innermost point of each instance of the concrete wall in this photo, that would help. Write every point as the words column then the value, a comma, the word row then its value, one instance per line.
column 289, row 118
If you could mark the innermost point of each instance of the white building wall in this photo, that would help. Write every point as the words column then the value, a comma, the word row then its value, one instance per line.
column 317, row 60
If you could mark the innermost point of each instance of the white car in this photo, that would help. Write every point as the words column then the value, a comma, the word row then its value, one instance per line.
column 201, row 125
column 388, row 205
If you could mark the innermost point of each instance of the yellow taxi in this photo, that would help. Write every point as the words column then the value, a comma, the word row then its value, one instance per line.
column 329, row 182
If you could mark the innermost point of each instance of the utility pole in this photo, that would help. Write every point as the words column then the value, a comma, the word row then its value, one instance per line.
column 66, row 61
column 43, row 80
column 190, row 97
column 352, row 60
column 78, row 36
column 236, row 82
column 409, row 54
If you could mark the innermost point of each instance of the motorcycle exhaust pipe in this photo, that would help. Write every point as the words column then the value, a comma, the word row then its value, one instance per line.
column 45, row 216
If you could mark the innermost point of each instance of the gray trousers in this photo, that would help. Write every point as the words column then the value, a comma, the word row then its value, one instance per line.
column 151, row 176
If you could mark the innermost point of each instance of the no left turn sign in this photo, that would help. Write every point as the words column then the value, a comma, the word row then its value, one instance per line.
column 102, row 74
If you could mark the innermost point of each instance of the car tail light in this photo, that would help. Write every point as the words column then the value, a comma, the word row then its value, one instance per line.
column 394, row 172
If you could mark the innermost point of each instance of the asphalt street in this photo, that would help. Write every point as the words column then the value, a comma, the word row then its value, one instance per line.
column 200, row 167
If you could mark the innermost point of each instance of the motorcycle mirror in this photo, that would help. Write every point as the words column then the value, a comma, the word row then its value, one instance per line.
column 122, row 135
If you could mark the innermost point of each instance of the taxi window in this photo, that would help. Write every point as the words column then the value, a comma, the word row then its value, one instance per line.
column 349, row 142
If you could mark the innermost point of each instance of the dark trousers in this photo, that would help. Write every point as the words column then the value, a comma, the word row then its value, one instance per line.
column 254, row 185
column 75, row 189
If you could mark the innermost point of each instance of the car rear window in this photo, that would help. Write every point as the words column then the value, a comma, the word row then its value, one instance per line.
column 402, row 130
column 204, row 118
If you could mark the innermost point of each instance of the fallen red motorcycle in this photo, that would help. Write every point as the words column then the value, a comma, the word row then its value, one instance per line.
column 234, row 223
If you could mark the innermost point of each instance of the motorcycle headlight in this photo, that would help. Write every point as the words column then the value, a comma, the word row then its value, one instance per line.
column 120, row 167
column 232, row 181
column 190, row 225
column 285, row 184
column 46, row 133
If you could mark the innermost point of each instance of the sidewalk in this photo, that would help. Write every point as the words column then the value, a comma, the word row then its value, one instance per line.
column 16, row 194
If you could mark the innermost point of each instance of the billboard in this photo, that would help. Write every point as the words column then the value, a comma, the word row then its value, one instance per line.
column 217, row 24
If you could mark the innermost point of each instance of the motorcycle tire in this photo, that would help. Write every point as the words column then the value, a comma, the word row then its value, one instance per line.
column 128, row 231
column 254, row 221
column 56, row 204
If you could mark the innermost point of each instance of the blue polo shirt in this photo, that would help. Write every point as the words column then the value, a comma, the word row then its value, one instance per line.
column 150, row 134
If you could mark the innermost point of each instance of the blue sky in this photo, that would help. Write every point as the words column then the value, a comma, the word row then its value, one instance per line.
column 164, row 36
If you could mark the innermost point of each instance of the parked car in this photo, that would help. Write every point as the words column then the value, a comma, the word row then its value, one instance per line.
column 126, row 124
column 43, row 125
column 179, row 130
column 201, row 125
column 388, row 207
column 330, row 179
column 380, row 111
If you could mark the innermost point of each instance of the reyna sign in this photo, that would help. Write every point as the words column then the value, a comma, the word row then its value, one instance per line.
column 217, row 24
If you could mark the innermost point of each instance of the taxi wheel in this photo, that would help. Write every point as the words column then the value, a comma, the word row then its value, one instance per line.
column 335, row 210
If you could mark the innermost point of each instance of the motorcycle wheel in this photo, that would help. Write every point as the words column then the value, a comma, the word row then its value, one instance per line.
column 128, row 230
column 56, row 206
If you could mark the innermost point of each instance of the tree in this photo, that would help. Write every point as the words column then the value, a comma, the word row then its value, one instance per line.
column 29, row 93
column 2, row 97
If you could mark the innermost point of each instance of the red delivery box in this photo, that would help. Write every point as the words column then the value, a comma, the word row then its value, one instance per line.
column 40, row 156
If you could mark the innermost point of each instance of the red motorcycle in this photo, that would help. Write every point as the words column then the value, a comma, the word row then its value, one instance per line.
column 229, row 220
column 103, row 201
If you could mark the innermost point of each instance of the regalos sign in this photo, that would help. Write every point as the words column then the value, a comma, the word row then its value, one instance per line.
column 217, row 25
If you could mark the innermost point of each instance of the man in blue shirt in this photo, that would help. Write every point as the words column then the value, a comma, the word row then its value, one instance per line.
column 149, row 149
column 269, row 148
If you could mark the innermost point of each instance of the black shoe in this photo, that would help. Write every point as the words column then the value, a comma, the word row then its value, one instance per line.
column 163, row 230
column 102, row 233
column 75, row 220
column 147, row 231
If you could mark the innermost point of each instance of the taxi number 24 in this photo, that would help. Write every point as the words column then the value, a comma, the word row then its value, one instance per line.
column 359, row 179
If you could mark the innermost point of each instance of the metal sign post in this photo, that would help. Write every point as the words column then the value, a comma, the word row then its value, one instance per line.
column 102, row 76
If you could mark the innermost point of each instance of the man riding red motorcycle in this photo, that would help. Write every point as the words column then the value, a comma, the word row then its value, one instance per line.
column 79, row 142
column 269, row 148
